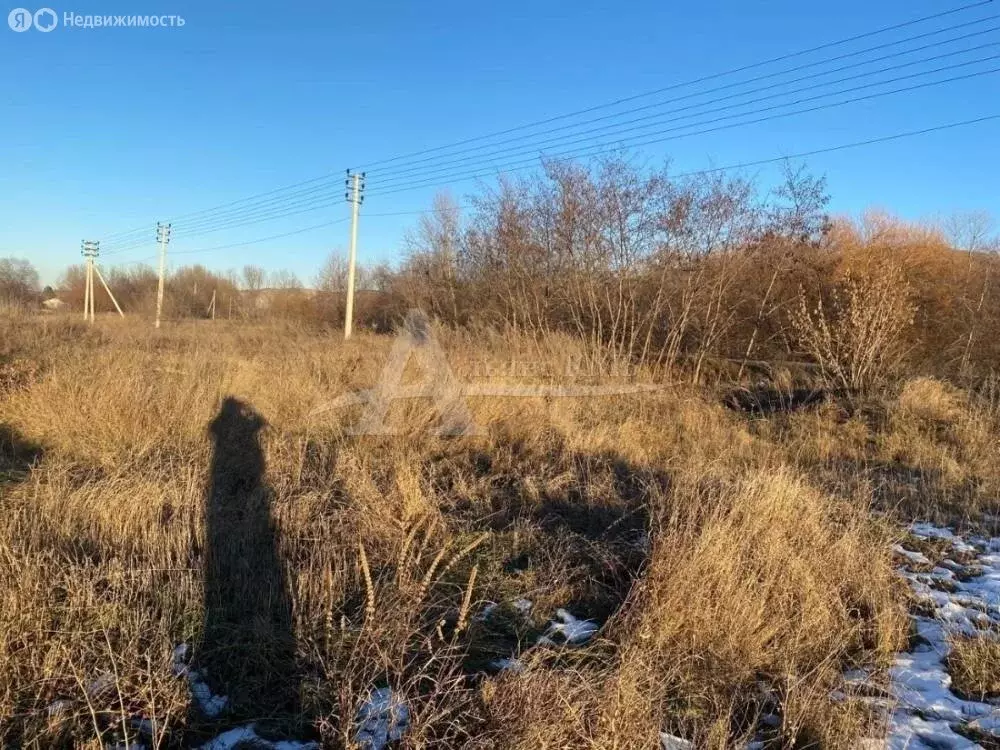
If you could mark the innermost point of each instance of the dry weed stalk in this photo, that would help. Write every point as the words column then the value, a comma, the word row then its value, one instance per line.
column 369, row 586
column 463, row 613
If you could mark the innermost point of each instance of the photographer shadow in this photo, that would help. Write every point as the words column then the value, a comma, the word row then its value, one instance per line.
column 248, row 646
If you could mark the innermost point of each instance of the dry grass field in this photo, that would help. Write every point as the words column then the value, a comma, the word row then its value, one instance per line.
column 175, row 487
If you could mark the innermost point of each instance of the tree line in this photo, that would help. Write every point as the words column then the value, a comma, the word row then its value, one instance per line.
column 706, row 272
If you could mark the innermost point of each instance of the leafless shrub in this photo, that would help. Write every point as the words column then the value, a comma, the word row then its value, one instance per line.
column 857, row 336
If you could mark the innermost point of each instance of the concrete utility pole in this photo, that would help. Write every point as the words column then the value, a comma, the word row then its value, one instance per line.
column 86, row 282
column 355, row 197
column 163, row 237
column 89, row 250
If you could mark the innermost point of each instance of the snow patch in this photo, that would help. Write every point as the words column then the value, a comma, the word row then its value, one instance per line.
column 572, row 629
column 520, row 606
column 507, row 664
column 913, row 557
column 248, row 735
column 210, row 705
column 670, row 742
column 382, row 719
column 960, row 599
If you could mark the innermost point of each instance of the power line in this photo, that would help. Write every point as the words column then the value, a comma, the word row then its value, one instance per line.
column 233, row 203
column 680, row 175
column 264, row 239
column 267, row 213
column 702, row 79
column 533, row 149
column 412, row 165
column 250, row 215
column 619, row 129
column 276, row 194
column 271, row 215
column 590, row 151
column 144, row 245
column 296, row 198
column 256, row 241
column 318, row 197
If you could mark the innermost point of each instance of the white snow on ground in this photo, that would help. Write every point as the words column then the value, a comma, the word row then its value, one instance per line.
column 961, row 599
column 249, row 736
column 670, row 742
column 488, row 611
column 572, row 629
column 382, row 719
column 913, row 557
column 210, row 705
column 507, row 664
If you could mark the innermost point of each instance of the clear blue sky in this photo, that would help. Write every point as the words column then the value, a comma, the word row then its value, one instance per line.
column 103, row 130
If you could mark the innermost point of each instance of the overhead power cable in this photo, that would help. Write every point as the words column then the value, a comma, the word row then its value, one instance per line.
column 414, row 165
column 318, row 197
column 692, row 82
column 680, row 175
column 632, row 142
column 257, row 241
column 272, row 215
column 535, row 152
column 280, row 195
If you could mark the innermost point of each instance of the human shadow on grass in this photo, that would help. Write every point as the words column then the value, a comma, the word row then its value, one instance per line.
column 248, row 648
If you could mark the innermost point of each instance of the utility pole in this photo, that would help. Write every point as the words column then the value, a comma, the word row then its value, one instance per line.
column 89, row 250
column 211, row 305
column 86, row 281
column 355, row 197
column 163, row 237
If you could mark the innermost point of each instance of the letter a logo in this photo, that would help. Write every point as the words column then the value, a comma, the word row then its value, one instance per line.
column 439, row 384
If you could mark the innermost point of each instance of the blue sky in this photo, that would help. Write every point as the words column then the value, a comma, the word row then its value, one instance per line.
column 104, row 130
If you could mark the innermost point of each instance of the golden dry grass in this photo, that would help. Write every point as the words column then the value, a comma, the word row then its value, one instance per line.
column 974, row 666
column 734, row 564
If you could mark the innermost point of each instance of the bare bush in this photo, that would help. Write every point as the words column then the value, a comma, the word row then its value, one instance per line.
column 857, row 337
column 19, row 283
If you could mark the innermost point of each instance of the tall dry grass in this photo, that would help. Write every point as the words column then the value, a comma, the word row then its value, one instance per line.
column 732, row 576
